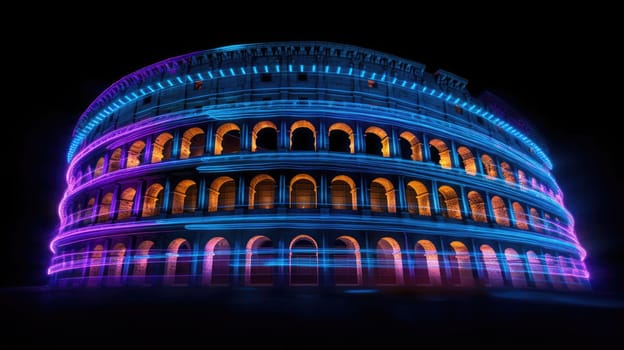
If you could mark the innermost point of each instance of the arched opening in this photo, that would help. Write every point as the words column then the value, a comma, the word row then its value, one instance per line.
column 554, row 271
column 508, row 174
column 567, row 270
column 410, row 146
column 347, row 262
column 520, row 215
column 261, row 192
column 449, row 203
column 222, row 194
column 547, row 222
column 537, row 270
column 492, row 275
column 259, row 261
column 417, row 198
column 162, row 147
column 468, row 160
column 142, row 262
column 303, row 261
column 382, row 198
column 115, row 264
column 426, row 264
column 135, row 154
column 489, row 167
column 99, row 167
column 522, row 179
column 126, row 202
column 152, row 201
column 303, row 192
column 461, row 270
column 377, row 142
column 477, row 207
column 500, row 211
column 184, row 197
column 227, row 139
column 536, row 221
column 193, row 143
column 440, row 153
column 217, row 262
column 178, row 268
column 264, row 137
column 516, row 268
column 388, row 263
column 114, row 163
column 87, row 213
column 343, row 193
column 302, row 136
column 96, row 263
column 104, row 210
column 341, row 138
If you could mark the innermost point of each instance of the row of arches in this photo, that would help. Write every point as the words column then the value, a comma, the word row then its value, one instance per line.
column 304, row 263
column 379, row 195
column 303, row 135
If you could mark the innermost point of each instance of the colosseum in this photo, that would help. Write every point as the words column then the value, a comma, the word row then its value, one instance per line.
column 308, row 164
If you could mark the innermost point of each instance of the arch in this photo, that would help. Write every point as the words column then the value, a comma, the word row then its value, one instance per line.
column 516, row 268
column 136, row 152
column 141, row 262
column 343, row 193
column 193, row 143
column 184, row 197
column 222, row 194
column 105, row 204
column 460, row 266
column 567, row 271
column 417, row 197
column 302, row 191
column 489, row 167
column 341, row 138
column 537, row 270
column 126, row 203
column 152, row 201
column 547, row 222
column 259, row 261
column 522, row 179
column 477, row 207
column 388, row 263
column 382, row 198
column 520, row 215
column 217, row 262
column 115, row 264
column 536, row 221
column 114, row 163
column 347, row 262
column 554, row 271
column 426, row 264
column 261, row 192
column 302, row 136
column 303, row 261
column 162, row 147
column 227, row 139
column 87, row 213
column 96, row 262
column 492, row 275
column 449, row 203
column 178, row 265
column 379, row 144
column 508, row 174
column 440, row 153
column 410, row 146
column 468, row 160
column 264, row 137
column 500, row 211
column 99, row 167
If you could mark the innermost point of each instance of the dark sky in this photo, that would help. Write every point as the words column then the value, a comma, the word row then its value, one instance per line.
column 544, row 70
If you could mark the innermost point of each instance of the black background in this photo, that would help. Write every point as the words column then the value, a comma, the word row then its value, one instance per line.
column 561, row 71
